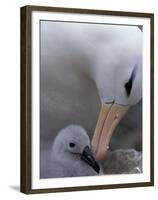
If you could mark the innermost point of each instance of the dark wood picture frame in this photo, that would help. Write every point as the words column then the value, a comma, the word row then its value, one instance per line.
column 26, row 88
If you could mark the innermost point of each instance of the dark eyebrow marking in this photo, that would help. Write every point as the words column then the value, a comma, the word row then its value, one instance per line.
column 128, row 85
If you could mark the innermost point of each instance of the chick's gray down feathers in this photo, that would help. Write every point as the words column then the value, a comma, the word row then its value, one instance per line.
column 64, row 160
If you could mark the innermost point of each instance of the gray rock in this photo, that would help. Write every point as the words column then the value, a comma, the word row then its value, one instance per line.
column 123, row 161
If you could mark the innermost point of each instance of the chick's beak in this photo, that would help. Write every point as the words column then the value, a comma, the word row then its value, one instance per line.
column 87, row 156
column 109, row 117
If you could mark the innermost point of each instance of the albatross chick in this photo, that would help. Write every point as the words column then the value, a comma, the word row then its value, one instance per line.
column 71, row 155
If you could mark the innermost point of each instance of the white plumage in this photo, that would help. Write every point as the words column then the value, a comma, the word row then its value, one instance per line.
column 107, row 54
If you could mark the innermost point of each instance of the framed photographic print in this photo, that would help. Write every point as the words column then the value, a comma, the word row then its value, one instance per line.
column 87, row 107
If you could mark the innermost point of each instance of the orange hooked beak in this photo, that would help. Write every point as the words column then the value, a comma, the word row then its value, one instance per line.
column 109, row 117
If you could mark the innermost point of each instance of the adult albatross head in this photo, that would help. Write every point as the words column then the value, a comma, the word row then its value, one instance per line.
column 119, row 82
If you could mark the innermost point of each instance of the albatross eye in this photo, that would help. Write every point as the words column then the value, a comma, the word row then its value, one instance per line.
column 71, row 144
column 128, row 85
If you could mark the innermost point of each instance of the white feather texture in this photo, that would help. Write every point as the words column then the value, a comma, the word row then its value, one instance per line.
column 107, row 54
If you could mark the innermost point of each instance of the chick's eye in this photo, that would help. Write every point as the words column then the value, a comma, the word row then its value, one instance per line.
column 71, row 144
